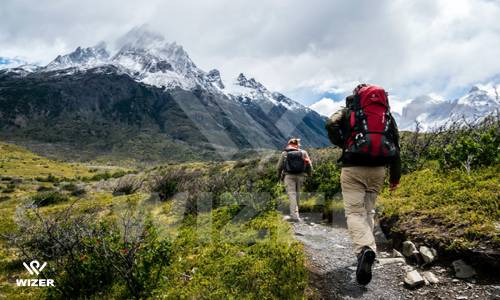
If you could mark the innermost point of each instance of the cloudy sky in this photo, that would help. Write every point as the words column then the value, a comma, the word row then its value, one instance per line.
column 314, row 50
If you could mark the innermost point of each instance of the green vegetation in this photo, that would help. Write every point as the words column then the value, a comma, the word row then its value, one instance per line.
column 450, row 195
column 17, row 162
column 48, row 198
column 215, row 233
column 455, row 209
column 213, row 229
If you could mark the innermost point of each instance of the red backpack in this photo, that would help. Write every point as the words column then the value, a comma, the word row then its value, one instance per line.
column 369, row 119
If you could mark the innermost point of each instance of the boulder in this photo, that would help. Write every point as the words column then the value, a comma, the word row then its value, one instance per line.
column 463, row 270
column 409, row 249
column 413, row 279
column 428, row 254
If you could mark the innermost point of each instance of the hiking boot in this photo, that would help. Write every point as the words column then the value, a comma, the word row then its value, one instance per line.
column 365, row 261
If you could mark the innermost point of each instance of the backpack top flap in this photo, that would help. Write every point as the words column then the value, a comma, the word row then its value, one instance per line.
column 372, row 95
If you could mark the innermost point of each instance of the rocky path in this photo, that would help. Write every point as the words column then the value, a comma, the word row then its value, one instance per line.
column 332, row 267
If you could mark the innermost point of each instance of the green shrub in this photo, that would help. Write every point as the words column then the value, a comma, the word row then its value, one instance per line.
column 458, row 208
column 48, row 198
column 48, row 178
column 325, row 179
column 165, row 186
column 254, row 258
column 10, row 188
column 472, row 150
column 95, row 259
column 127, row 186
column 43, row 188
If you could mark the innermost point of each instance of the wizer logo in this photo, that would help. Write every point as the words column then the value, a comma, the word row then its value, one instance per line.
column 34, row 268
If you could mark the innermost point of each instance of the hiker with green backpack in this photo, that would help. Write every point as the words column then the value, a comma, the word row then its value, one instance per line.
column 293, row 165
column 369, row 138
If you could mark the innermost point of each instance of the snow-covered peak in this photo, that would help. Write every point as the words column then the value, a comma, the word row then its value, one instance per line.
column 250, row 91
column 143, row 44
column 148, row 57
column 213, row 76
column 250, row 83
column 481, row 95
column 81, row 58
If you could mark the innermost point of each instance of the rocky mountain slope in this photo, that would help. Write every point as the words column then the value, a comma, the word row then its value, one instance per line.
column 147, row 98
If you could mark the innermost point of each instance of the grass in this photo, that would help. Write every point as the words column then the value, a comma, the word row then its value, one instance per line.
column 460, row 210
column 18, row 162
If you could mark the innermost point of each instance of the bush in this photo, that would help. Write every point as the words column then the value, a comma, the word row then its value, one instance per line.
column 74, row 189
column 89, row 259
column 169, row 183
column 10, row 188
column 254, row 258
column 471, row 150
column 127, row 186
column 43, row 188
column 49, row 178
column 457, row 208
column 48, row 198
column 325, row 180
column 457, row 144
column 106, row 175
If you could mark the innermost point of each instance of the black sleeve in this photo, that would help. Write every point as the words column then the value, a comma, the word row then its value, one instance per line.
column 334, row 127
column 395, row 166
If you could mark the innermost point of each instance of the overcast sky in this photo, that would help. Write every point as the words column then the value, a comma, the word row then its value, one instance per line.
column 309, row 50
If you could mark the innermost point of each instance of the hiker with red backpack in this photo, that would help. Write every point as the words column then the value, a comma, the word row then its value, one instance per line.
column 369, row 138
column 293, row 165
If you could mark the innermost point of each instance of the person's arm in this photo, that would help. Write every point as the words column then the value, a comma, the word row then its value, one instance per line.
column 334, row 127
column 395, row 166
column 309, row 165
column 281, row 164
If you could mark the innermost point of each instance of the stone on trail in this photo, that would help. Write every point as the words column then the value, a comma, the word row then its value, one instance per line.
column 407, row 268
column 396, row 253
column 463, row 270
column 391, row 260
column 409, row 249
column 413, row 279
column 428, row 254
column 430, row 277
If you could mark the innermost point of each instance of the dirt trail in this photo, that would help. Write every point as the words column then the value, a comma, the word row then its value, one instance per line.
column 332, row 267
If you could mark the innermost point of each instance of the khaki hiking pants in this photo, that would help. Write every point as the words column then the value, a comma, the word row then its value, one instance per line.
column 293, row 184
column 360, row 187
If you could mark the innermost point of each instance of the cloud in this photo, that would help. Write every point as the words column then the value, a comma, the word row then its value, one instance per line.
column 327, row 106
column 409, row 47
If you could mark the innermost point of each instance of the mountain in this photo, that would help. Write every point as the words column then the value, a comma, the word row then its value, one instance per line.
column 431, row 111
column 80, row 58
column 148, row 100
column 282, row 114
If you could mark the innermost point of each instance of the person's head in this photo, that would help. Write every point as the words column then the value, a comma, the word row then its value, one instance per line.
column 294, row 142
column 358, row 87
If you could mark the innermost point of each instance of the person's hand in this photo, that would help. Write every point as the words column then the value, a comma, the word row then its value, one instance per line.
column 393, row 186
